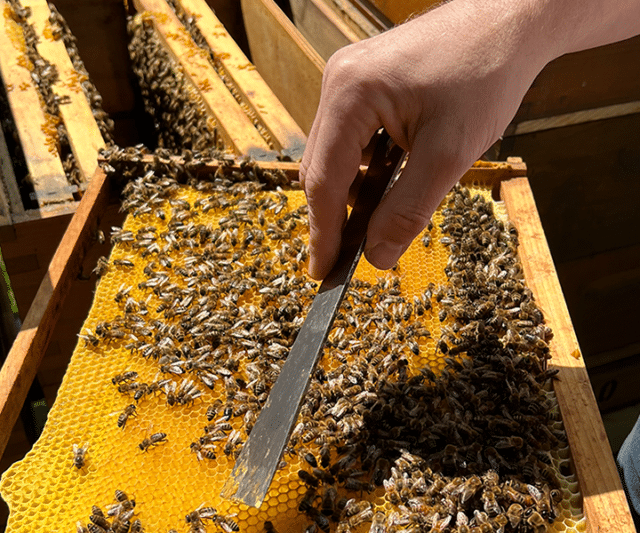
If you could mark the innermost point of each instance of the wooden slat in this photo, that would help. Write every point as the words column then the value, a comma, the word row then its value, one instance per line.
column 322, row 26
column 23, row 360
column 604, row 501
column 8, row 178
column 235, row 126
column 83, row 132
column 284, row 131
column 287, row 62
column 356, row 20
column 483, row 171
column 45, row 168
column 398, row 12
column 571, row 119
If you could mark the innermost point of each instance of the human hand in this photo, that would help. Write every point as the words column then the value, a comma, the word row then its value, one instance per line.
column 445, row 86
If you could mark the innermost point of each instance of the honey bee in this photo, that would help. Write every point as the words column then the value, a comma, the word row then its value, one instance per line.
column 102, row 267
column 79, row 454
column 94, row 528
column 233, row 441
column 99, row 519
column 269, row 527
column 123, row 263
column 89, row 338
column 128, row 411
column 226, row 523
column 535, row 521
column 514, row 514
column 319, row 519
column 154, row 440
column 378, row 523
column 307, row 500
column 202, row 451
column 308, row 479
column 124, row 377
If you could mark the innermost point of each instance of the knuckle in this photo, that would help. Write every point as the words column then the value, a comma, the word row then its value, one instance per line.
column 345, row 69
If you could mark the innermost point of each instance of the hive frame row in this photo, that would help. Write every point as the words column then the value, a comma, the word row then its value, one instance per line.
column 234, row 125
column 52, row 192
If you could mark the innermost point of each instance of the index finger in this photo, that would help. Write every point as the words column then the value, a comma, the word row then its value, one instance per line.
column 330, row 165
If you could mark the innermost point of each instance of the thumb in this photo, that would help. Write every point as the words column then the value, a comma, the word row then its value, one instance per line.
column 407, row 208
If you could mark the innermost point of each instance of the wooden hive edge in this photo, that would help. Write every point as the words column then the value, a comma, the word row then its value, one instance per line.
column 604, row 502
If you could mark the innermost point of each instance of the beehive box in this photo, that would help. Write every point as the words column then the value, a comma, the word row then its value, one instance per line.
column 598, row 480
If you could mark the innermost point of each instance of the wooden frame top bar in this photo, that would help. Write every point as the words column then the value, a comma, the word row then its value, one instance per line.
column 235, row 126
column 84, row 135
column 35, row 129
column 255, row 92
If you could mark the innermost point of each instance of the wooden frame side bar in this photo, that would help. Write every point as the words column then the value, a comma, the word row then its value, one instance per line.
column 286, row 61
column 604, row 501
column 322, row 26
column 83, row 132
column 236, row 127
column 23, row 360
column 36, row 136
column 253, row 89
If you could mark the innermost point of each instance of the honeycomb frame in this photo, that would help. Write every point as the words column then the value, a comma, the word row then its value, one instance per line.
column 70, row 425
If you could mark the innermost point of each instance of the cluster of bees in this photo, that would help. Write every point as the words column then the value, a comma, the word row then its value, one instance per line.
column 174, row 105
column 45, row 75
column 119, row 517
column 466, row 449
column 189, row 22
column 60, row 30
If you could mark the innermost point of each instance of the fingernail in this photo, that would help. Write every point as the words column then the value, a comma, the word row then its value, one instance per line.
column 384, row 255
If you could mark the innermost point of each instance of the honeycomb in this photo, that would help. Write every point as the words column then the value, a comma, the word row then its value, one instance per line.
column 152, row 454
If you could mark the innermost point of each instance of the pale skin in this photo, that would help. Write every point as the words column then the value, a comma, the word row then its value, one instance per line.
column 445, row 85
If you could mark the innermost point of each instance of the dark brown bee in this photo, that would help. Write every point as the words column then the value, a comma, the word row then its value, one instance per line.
column 102, row 267
column 79, row 454
column 129, row 411
column 154, row 440
column 269, row 528
column 124, row 377
column 308, row 478
column 307, row 500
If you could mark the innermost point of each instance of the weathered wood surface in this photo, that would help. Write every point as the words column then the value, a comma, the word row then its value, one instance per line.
column 234, row 125
column 604, row 501
column 325, row 30
column 361, row 20
column 283, row 130
column 84, row 135
column 36, row 131
column 284, row 58
column 23, row 360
